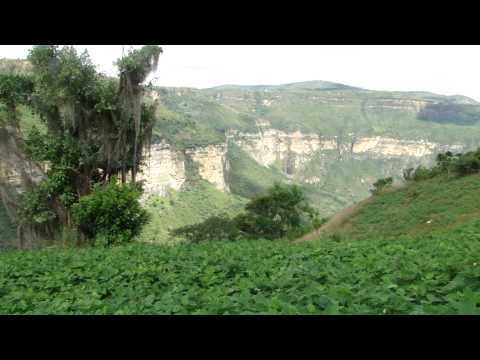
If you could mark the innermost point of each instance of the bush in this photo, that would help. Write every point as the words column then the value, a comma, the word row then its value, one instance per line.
column 111, row 214
column 423, row 173
column 214, row 228
column 283, row 212
column 468, row 163
column 381, row 184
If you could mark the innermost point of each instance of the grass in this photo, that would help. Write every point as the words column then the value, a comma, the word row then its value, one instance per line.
column 435, row 205
column 412, row 275
column 193, row 204
column 246, row 177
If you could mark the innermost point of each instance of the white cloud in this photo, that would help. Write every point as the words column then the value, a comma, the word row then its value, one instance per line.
column 445, row 70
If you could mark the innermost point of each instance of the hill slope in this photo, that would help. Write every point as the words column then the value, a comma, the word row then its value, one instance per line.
column 429, row 206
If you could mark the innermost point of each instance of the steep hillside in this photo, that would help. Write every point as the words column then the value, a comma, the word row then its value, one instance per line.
column 429, row 206
column 194, row 204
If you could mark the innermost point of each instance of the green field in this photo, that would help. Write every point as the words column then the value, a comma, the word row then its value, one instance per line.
column 410, row 275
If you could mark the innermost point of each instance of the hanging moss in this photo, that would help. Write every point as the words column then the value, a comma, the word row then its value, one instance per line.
column 97, row 127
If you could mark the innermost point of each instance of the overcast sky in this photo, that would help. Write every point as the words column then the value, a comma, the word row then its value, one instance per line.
column 447, row 70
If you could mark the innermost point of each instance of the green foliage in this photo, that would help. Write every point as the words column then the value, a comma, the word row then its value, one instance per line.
column 282, row 212
column 35, row 208
column 468, row 163
column 246, row 177
column 194, row 204
column 381, row 184
column 15, row 89
column 95, row 127
column 213, row 228
column 140, row 62
column 111, row 214
column 421, row 275
column 435, row 204
column 447, row 164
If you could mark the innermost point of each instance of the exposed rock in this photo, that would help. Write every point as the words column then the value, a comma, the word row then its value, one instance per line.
column 165, row 169
column 212, row 162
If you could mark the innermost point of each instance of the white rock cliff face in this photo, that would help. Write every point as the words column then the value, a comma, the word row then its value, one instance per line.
column 272, row 145
column 165, row 167
column 212, row 160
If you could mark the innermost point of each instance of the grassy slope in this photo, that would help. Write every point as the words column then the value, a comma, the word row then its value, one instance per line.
column 192, row 205
column 246, row 177
column 420, row 207
column 421, row 275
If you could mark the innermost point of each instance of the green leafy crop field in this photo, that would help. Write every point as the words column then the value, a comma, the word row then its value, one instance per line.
column 410, row 275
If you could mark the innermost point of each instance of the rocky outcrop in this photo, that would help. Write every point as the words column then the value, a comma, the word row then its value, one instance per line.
column 166, row 167
column 272, row 145
column 212, row 161
column 389, row 147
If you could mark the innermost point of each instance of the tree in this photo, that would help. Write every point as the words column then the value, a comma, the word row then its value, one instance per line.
column 283, row 210
column 97, row 127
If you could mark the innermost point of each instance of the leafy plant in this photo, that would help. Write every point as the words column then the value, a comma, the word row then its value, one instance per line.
column 381, row 184
column 213, row 228
column 111, row 214
column 412, row 275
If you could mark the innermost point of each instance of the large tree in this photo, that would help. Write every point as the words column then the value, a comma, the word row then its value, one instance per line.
column 96, row 127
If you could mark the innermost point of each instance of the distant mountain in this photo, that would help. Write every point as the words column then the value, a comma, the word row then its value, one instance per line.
column 310, row 85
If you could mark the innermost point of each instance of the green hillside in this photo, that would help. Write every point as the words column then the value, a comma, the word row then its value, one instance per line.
column 193, row 204
column 338, row 110
column 429, row 206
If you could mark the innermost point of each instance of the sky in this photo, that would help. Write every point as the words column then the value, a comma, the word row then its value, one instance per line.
column 446, row 70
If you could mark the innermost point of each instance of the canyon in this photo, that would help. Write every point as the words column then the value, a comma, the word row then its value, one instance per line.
column 166, row 166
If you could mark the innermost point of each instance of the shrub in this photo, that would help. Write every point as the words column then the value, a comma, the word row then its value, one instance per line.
column 111, row 214
column 213, row 228
column 282, row 212
column 381, row 184
column 423, row 173
column 468, row 163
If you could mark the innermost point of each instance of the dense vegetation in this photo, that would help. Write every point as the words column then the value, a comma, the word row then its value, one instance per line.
column 111, row 214
column 283, row 212
column 194, row 204
column 410, row 275
column 95, row 128
column 435, row 204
